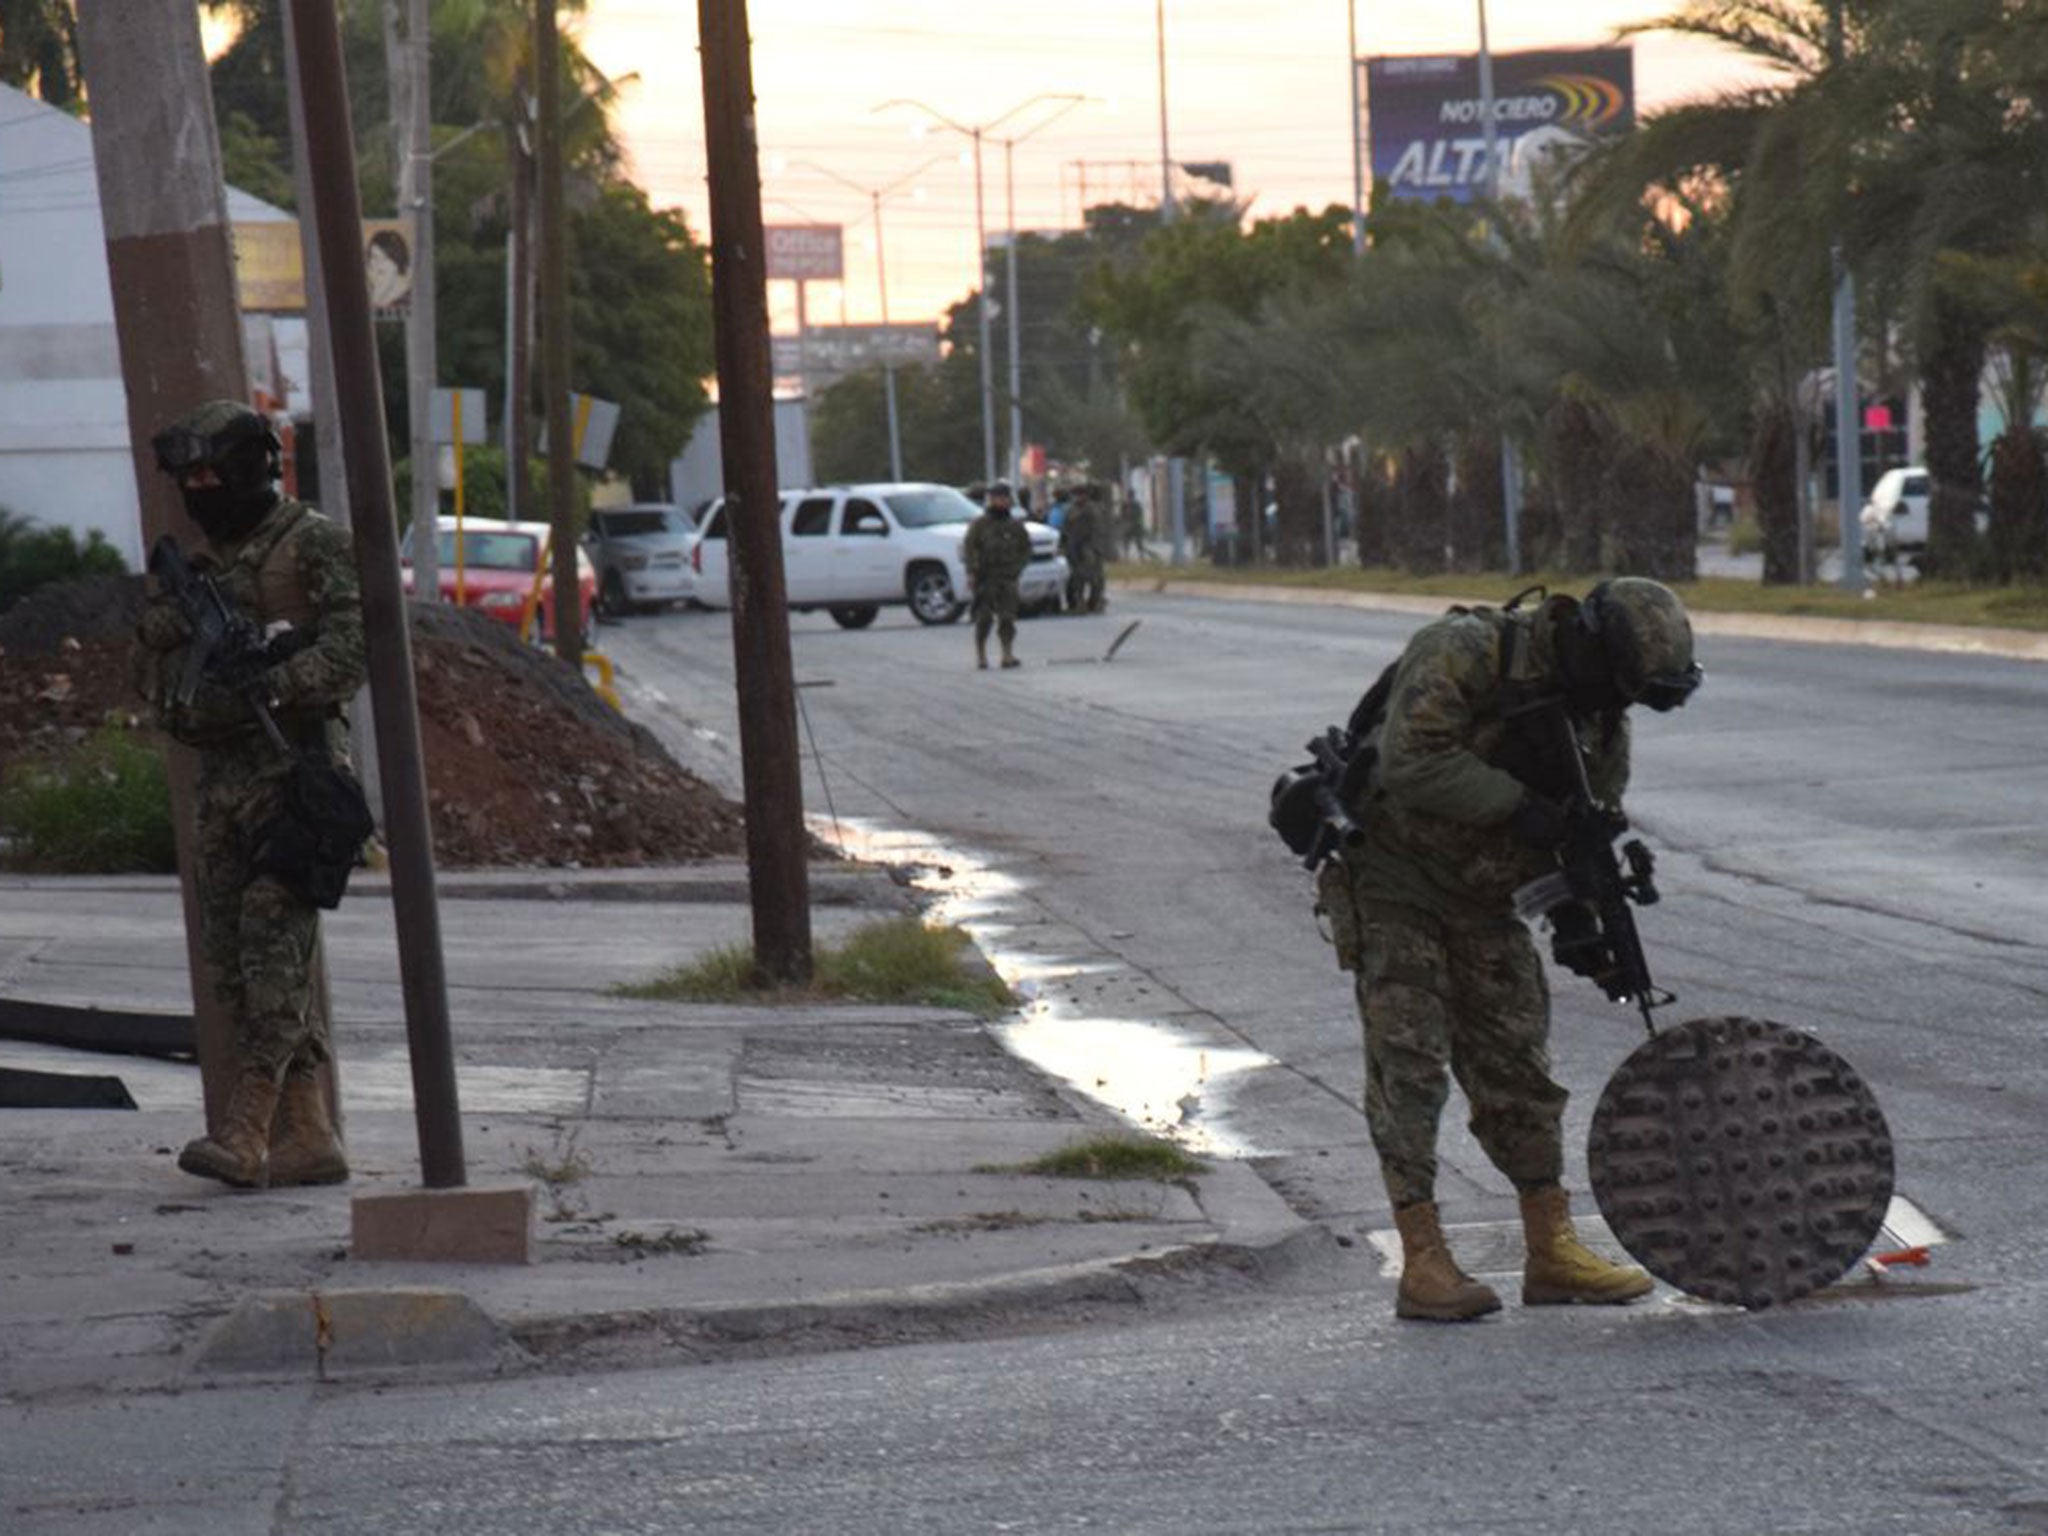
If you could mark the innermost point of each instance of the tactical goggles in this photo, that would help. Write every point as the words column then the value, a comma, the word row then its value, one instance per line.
column 181, row 448
column 1667, row 690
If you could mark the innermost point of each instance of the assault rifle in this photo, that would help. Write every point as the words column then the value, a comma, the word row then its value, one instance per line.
column 312, row 843
column 1591, row 877
column 227, row 648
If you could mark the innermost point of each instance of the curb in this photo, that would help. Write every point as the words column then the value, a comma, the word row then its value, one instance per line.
column 1892, row 634
column 329, row 1333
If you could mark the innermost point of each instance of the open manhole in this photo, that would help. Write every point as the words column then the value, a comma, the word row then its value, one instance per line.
column 1740, row 1161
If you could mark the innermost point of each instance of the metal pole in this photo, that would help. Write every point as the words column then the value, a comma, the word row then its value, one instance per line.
column 988, row 384
column 769, row 761
column 416, row 198
column 1848, row 413
column 337, row 212
column 1510, row 460
column 508, row 431
column 1357, row 137
column 1016, row 460
column 554, row 349
column 334, row 499
column 1165, row 156
column 888, row 358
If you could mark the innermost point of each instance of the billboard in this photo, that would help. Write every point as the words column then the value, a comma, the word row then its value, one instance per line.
column 270, row 268
column 805, row 253
column 1425, row 125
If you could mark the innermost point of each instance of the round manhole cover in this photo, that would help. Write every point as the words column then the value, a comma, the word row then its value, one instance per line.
column 1740, row 1161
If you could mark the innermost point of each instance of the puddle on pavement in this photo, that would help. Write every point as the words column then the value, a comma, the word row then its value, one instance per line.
column 1160, row 1078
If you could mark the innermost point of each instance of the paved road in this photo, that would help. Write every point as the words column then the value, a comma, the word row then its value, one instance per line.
column 1851, row 842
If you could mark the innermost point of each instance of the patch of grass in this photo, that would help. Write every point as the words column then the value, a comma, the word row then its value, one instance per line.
column 983, row 1221
column 2020, row 606
column 102, row 808
column 559, row 1170
column 1112, row 1157
column 684, row 1240
column 900, row 960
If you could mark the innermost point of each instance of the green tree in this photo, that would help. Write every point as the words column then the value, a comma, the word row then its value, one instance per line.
column 1202, row 278
column 39, row 51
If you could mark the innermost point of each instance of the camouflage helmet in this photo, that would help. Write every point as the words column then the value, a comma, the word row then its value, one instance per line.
column 225, row 436
column 1647, row 639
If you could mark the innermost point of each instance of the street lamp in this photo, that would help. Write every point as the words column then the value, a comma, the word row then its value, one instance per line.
column 1010, row 278
column 974, row 131
column 875, row 196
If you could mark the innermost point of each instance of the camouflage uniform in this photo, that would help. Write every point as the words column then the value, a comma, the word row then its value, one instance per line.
column 1448, row 981
column 995, row 552
column 1082, row 534
column 294, row 568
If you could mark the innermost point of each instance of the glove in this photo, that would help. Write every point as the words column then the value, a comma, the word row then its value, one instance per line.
column 163, row 626
column 1576, row 944
column 1540, row 823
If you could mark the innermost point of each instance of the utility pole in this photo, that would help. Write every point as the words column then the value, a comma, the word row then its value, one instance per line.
column 1510, row 458
column 1165, row 155
column 554, row 333
column 408, row 36
column 776, row 840
column 1357, row 139
column 988, row 384
column 338, row 217
column 1015, row 326
column 874, row 195
column 179, row 328
column 1848, row 424
column 519, row 243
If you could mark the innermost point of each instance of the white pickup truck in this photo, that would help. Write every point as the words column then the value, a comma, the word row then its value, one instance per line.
column 853, row 549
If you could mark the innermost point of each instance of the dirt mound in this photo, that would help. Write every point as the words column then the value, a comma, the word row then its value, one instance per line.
column 525, row 765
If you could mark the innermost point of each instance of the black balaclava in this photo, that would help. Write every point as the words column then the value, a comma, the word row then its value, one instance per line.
column 244, row 497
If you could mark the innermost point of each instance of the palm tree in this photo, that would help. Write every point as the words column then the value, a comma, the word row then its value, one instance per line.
column 39, row 49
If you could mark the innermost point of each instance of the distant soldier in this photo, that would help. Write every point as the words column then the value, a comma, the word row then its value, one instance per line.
column 289, row 572
column 1085, row 534
column 995, row 552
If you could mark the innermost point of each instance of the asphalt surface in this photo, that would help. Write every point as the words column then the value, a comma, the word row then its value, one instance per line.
column 709, row 1180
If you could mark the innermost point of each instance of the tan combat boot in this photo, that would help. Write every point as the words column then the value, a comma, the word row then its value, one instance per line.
column 240, row 1153
column 1433, row 1288
column 1009, row 657
column 303, row 1146
column 1561, row 1269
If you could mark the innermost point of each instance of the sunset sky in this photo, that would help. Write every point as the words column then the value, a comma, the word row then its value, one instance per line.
column 1263, row 86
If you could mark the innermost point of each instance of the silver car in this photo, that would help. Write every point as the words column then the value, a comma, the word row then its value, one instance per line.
column 642, row 556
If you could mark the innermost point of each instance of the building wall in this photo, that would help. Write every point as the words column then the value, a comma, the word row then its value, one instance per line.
column 64, row 439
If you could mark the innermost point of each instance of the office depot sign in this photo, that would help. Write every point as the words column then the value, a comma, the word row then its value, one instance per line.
column 805, row 253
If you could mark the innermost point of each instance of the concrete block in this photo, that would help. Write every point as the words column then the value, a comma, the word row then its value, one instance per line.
column 457, row 1226
column 332, row 1332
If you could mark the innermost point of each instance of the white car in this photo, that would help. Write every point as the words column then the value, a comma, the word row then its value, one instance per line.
column 852, row 549
column 1895, row 518
column 642, row 555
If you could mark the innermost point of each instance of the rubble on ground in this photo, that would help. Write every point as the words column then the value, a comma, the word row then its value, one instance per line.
column 525, row 764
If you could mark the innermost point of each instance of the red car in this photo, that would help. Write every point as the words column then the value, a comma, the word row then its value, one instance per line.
column 496, row 570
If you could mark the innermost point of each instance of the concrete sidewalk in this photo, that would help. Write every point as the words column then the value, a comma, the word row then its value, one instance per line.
column 709, row 1180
